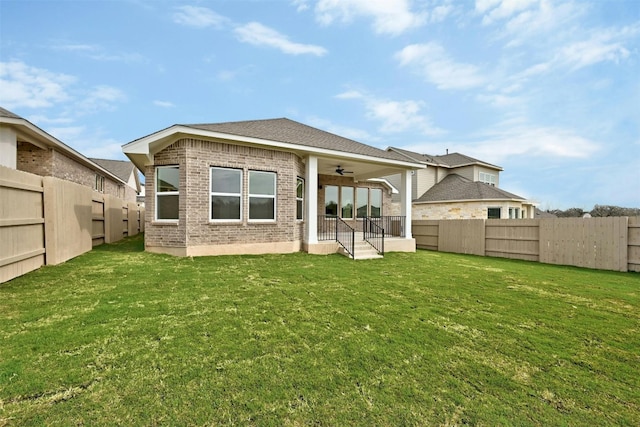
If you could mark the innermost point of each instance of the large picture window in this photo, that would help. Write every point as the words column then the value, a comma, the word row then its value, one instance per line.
column 346, row 203
column 167, row 198
column 262, row 195
column 331, row 200
column 362, row 202
column 226, row 194
column 376, row 202
column 300, row 198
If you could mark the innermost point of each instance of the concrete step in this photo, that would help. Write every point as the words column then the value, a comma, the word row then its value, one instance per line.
column 363, row 250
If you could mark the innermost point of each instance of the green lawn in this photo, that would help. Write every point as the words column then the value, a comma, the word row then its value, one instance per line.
column 122, row 337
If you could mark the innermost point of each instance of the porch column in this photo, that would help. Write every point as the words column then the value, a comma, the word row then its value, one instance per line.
column 8, row 147
column 311, row 200
column 405, row 201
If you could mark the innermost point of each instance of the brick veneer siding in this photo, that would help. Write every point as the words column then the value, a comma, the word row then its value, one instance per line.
column 50, row 162
column 194, row 228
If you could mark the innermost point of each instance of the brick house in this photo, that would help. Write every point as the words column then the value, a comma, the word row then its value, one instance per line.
column 26, row 147
column 268, row 186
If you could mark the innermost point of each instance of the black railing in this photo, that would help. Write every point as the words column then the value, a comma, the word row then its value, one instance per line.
column 345, row 235
column 373, row 234
column 394, row 226
column 326, row 227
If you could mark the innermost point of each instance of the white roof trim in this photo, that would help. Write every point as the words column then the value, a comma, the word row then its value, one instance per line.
column 61, row 146
column 142, row 146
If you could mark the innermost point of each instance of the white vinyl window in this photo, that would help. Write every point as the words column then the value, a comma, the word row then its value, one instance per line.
column 167, row 195
column 226, row 194
column 376, row 202
column 99, row 183
column 299, row 198
column 262, row 196
column 362, row 202
column 488, row 178
column 346, row 203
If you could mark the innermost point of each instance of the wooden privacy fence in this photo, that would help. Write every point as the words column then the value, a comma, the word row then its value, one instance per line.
column 611, row 243
column 46, row 221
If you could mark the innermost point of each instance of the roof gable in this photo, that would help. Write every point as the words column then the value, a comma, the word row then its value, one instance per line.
column 453, row 160
column 455, row 187
column 292, row 132
column 281, row 134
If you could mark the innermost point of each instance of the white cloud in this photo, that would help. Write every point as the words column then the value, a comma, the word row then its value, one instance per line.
column 98, row 53
column 602, row 45
column 260, row 35
column 199, row 17
column 345, row 131
column 431, row 61
column 163, row 104
column 523, row 140
column 395, row 116
column 300, row 5
column 496, row 9
column 389, row 16
column 24, row 86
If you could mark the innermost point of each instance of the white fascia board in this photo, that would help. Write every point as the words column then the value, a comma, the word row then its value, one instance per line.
column 52, row 141
column 173, row 133
column 384, row 181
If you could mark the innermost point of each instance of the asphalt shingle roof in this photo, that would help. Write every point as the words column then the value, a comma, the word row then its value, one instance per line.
column 120, row 168
column 456, row 187
column 292, row 132
column 6, row 113
column 452, row 160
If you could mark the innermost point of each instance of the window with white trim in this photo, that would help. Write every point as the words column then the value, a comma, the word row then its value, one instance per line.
column 362, row 202
column 488, row 178
column 300, row 198
column 376, row 202
column 331, row 200
column 346, row 203
column 167, row 194
column 226, row 194
column 99, row 183
column 262, row 196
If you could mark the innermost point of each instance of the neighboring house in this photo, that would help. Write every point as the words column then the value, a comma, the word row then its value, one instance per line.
column 141, row 195
column 456, row 186
column 127, row 172
column 266, row 186
column 26, row 147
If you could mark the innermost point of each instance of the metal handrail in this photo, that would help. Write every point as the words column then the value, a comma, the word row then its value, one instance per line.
column 373, row 233
column 345, row 236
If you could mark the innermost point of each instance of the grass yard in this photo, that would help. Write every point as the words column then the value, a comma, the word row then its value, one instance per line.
column 122, row 337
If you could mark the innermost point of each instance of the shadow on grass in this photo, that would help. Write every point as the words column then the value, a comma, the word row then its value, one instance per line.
column 128, row 244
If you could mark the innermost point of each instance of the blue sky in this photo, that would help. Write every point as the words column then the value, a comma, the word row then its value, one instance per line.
column 547, row 89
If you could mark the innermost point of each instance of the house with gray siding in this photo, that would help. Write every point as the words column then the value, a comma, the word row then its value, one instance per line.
column 270, row 186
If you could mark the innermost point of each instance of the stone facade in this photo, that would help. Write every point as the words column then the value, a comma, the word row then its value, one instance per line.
column 468, row 210
column 49, row 162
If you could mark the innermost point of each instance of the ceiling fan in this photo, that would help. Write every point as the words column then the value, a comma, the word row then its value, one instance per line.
column 341, row 171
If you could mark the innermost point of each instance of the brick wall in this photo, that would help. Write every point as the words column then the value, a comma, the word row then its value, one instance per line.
column 194, row 228
column 54, row 163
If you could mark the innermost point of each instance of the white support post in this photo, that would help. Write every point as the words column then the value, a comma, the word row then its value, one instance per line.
column 311, row 201
column 8, row 147
column 405, row 202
